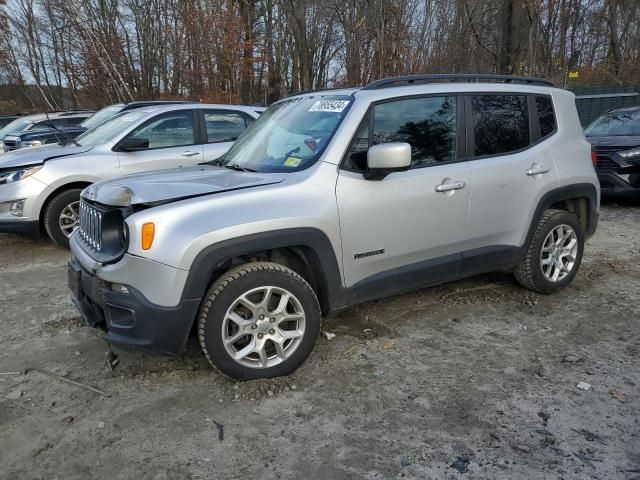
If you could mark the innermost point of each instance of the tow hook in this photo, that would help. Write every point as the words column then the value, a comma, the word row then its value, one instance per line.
column 112, row 359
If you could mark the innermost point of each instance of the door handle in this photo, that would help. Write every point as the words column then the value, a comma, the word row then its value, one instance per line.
column 536, row 169
column 447, row 187
column 189, row 153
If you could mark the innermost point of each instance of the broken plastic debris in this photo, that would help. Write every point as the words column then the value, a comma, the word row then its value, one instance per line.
column 583, row 386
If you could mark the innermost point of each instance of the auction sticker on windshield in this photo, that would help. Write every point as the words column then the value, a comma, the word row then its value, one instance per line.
column 335, row 106
column 292, row 162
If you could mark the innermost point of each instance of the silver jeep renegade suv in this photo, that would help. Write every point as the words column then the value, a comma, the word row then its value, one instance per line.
column 334, row 198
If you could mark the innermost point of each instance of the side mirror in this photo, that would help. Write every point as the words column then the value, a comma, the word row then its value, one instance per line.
column 133, row 144
column 386, row 158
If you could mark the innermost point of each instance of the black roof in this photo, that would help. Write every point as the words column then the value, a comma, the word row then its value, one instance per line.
column 455, row 77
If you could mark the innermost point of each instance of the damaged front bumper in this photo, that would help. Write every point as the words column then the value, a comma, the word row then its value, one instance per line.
column 128, row 318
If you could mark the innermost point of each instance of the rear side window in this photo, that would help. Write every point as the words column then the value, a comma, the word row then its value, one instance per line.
column 224, row 126
column 427, row 124
column 546, row 115
column 74, row 121
column 500, row 124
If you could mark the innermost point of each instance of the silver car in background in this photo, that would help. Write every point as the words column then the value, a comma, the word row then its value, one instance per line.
column 40, row 187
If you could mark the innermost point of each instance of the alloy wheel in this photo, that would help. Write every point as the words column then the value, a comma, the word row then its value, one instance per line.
column 263, row 327
column 559, row 253
column 69, row 218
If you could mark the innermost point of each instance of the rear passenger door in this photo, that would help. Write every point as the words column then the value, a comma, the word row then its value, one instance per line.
column 511, row 169
column 221, row 129
column 172, row 143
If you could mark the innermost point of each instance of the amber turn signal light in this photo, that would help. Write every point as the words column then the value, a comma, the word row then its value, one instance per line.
column 148, row 231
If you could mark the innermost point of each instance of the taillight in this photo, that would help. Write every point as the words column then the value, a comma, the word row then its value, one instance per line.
column 594, row 156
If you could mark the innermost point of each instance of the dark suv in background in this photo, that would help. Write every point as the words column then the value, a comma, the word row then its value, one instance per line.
column 615, row 136
column 51, row 125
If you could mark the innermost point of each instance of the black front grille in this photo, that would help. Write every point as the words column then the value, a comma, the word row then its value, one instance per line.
column 605, row 164
column 103, row 232
column 10, row 145
column 90, row 229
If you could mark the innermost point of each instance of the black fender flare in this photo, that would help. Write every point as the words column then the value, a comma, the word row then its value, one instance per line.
column 578, row 190
column 324, row 261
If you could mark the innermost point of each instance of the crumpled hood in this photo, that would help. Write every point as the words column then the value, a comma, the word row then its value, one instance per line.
column 156, row 188
column 38, row 155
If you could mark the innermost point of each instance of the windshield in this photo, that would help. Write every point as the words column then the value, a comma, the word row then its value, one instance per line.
column 616, row 124
column 110, row 129
column 15, row 127
column 289, row 136
column 101, row 115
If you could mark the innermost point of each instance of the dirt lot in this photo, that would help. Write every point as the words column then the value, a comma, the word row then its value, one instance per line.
column 475, row 379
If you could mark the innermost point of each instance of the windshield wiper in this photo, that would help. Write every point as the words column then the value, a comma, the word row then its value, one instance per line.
column 238, row 168
column 66, row 140
column 217, row 162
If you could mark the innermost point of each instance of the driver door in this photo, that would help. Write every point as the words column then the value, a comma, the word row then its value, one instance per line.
column 408, row 229
column 172, row 143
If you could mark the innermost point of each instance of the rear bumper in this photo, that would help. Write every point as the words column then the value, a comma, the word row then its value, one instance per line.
column 128, row 318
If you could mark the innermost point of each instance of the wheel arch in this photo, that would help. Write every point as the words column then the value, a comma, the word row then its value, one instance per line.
column 56, row 191
column 581, row 199
column 306, row 251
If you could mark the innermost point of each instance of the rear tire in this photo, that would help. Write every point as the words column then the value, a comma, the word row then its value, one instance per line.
column 58, row 216
column 259, row 320
column 554, row 254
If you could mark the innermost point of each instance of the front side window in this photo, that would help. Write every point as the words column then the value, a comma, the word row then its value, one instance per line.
column 224, row 126
column 427, row 124
column 168, row 130
column 49, row 124
column 620, row 123
column 546, row 116
column 500, row 124
column 290, row 135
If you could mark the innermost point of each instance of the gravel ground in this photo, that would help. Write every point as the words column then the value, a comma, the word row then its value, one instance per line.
column 475, row 379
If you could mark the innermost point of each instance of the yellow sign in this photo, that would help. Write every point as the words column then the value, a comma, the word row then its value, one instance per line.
column 292, row 162
column 573, row 74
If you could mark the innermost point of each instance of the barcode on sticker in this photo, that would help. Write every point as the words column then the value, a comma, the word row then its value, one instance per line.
column 329, row 106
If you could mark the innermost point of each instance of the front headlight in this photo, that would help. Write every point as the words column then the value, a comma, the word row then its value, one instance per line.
column 634, row 152
column 32, row 143
column 15, row 175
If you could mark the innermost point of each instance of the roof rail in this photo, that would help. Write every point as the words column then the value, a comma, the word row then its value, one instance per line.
column 455, row 77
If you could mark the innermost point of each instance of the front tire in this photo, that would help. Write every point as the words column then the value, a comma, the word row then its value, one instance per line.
column 259, row 320
column 61, row 216
column 554, row 255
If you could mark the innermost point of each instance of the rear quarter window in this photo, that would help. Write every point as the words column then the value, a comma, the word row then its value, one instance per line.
column 546, row 115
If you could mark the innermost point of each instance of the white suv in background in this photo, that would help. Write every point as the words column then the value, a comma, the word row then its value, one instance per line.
column 40, row 187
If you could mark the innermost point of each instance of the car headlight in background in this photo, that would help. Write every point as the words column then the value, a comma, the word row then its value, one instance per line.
column 634, row 152
column 32, row 143
column 15, row 175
